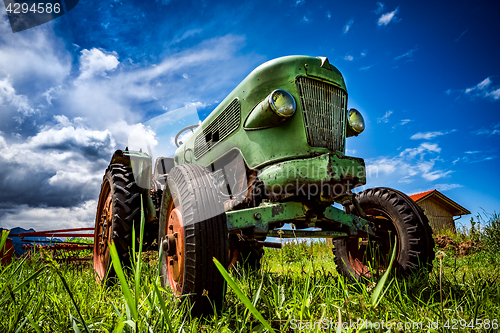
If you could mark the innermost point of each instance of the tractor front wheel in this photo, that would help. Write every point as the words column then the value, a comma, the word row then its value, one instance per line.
column 394, row 215
column 193, row 231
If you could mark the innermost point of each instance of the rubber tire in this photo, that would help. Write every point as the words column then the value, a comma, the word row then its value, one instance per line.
column 415, row 242
column 193, row 187
column 126, row 213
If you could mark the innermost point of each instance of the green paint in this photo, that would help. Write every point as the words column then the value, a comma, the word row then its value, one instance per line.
column 264, row 215
column 327, row 168
column 287, row 140
column 354, row 222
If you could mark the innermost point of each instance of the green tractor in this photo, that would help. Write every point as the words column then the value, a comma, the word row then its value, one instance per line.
column 272, row 153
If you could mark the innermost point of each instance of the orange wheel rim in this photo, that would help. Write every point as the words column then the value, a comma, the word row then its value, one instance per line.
column 233, row 257
column 357, row 250
column 102, row 233
column 175, row 262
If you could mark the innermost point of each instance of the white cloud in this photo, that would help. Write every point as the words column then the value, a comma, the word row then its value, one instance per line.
column 299, row 2
column 409, row 166
column 95, row 62
column 408, row 54
column 328, row 15
column 480, row 86
column 403, row 122
column 446, row 187
column 435, row 174
column 52, row 93
column 494, row 94
column 8, row 96
column 488, row 131
column 483, row 89
column 365, row 68
column 187, row 34
column 348, row 57
column 305, row 19
column 81, row 216
column 35, row 55
column 385, row 117
column 386, row 18
column 54, row 168
column 421, row 150
column 429, row 135
column 348, row 26
column 380, row 8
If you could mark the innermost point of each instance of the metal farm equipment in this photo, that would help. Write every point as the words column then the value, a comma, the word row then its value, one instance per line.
column 272, row 152
column 62, row 251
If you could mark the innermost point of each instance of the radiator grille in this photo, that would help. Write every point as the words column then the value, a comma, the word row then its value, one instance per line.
column 324, row 111
column 226, row 123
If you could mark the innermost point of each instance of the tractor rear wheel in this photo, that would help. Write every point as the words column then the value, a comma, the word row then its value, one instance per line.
column 193, row 231
column 395, row 215
column 118, row 209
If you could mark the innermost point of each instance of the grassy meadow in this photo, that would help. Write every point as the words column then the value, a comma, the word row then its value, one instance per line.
column 297, row 289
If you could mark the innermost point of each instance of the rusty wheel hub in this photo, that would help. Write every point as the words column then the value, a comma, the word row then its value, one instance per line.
column 103, row 231
column 173, row 246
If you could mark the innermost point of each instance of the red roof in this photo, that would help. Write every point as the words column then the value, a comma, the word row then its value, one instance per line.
column 419, row 196
column 437, row 196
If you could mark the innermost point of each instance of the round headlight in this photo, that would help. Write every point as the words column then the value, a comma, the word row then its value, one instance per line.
column 282, row 103
column 356, row 121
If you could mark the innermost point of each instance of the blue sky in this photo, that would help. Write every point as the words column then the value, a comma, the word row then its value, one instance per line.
column 425, row 75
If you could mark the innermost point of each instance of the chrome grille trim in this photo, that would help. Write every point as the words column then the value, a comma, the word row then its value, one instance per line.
column 226, row 123
column 324, row 111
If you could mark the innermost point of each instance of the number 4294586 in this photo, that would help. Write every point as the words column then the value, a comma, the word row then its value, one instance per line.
column 36, row 8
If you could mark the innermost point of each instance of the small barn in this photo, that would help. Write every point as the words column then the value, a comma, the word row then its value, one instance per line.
column 439, row 209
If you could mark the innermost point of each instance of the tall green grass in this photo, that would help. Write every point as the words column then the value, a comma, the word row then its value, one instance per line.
column 295, row 290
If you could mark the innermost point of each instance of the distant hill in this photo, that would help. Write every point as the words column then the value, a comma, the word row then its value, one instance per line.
column 18, row 244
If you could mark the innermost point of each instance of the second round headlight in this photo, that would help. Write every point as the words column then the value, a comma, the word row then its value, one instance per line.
column 356, row 122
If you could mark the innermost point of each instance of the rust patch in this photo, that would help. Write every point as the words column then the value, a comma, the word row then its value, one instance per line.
column 277, row 210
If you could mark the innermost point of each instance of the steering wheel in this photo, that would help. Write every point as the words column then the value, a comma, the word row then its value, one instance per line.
column 192, row 128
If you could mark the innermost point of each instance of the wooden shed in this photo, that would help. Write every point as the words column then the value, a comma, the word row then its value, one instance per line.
column 439, row 209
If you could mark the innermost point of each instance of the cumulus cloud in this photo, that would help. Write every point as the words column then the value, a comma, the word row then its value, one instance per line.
column 9, row 97
column 95, row 62
column 385, row 117
column 387, row 18
column 429, row 135
column 53, row 164
column 348, row 57
column 410, row 165
column 59, row 167
column 80, row 216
